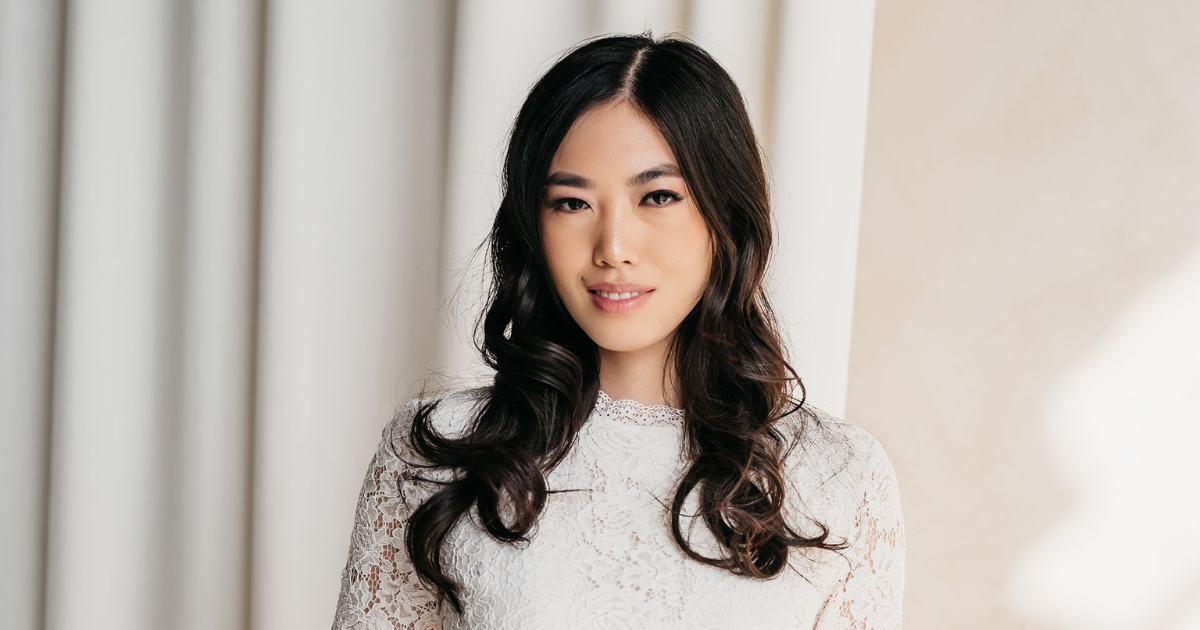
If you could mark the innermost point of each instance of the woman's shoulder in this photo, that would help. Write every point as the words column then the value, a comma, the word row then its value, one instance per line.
column 830, row 459
column 448, row 412
column 825, row 438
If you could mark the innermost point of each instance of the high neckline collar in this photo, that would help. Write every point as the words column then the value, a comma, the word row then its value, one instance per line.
column 634, row 412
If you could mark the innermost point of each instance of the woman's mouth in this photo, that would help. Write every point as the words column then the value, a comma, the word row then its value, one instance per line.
column 617, row 303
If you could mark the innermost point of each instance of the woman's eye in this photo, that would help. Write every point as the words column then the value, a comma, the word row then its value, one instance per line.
column 663, row 196
column 566, row 204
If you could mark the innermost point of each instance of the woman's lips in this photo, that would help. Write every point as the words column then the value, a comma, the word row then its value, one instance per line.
column 617, row 307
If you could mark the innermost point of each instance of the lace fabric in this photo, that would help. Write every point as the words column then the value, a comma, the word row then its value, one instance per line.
column 601, row 554
column 871, row 594
column 634, row 412
column 380, row 589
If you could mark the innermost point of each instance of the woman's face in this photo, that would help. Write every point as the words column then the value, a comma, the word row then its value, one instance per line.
column 617, row 218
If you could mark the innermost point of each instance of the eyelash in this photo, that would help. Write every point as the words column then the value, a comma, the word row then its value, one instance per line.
column 557, row 203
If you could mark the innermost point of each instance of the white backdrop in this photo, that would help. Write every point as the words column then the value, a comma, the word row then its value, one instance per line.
column 230, row 233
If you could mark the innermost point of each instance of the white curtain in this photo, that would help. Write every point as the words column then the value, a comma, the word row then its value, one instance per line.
column 234, row 234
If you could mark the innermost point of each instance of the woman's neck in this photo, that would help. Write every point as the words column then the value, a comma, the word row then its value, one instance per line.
column 638, row 375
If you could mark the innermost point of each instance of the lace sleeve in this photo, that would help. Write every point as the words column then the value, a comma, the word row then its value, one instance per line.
column 379, row 589
column 871, row 595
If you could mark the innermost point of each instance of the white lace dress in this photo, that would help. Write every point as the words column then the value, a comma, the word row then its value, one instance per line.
column 605, row 558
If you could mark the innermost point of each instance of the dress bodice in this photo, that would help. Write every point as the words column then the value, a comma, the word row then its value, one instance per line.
column 602, row 555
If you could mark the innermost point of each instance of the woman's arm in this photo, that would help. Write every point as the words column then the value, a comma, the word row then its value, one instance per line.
column 379, row 587
column 871, row 596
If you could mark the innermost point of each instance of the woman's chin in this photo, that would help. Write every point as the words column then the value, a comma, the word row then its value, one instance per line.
column 624, row 340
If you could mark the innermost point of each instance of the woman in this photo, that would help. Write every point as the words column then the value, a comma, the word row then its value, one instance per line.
column 637, row 461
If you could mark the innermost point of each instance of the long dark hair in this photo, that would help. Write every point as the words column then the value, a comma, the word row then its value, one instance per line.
column 727, row 353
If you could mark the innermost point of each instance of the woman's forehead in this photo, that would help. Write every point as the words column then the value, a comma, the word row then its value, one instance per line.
column 612, row 141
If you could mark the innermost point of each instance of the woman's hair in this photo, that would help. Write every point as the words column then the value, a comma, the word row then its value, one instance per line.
column 733, row 375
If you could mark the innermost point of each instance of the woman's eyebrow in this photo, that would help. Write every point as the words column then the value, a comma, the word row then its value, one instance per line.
column 563, row 178
column 662, row 170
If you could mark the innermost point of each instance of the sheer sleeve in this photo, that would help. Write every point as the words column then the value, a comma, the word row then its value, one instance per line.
column 380, row 589
column 870, row 596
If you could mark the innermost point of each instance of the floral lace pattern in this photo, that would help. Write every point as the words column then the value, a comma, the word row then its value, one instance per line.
column 871, row 594
column 379, row 587
column 634, row 412
column 601, row 554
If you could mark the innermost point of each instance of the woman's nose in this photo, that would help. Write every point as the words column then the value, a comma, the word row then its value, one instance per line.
column 617, row 235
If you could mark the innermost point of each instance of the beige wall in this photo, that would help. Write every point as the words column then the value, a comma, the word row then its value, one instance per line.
column 1029, row 247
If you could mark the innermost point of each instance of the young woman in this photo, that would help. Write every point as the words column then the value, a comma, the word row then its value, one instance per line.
column 638, row 461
